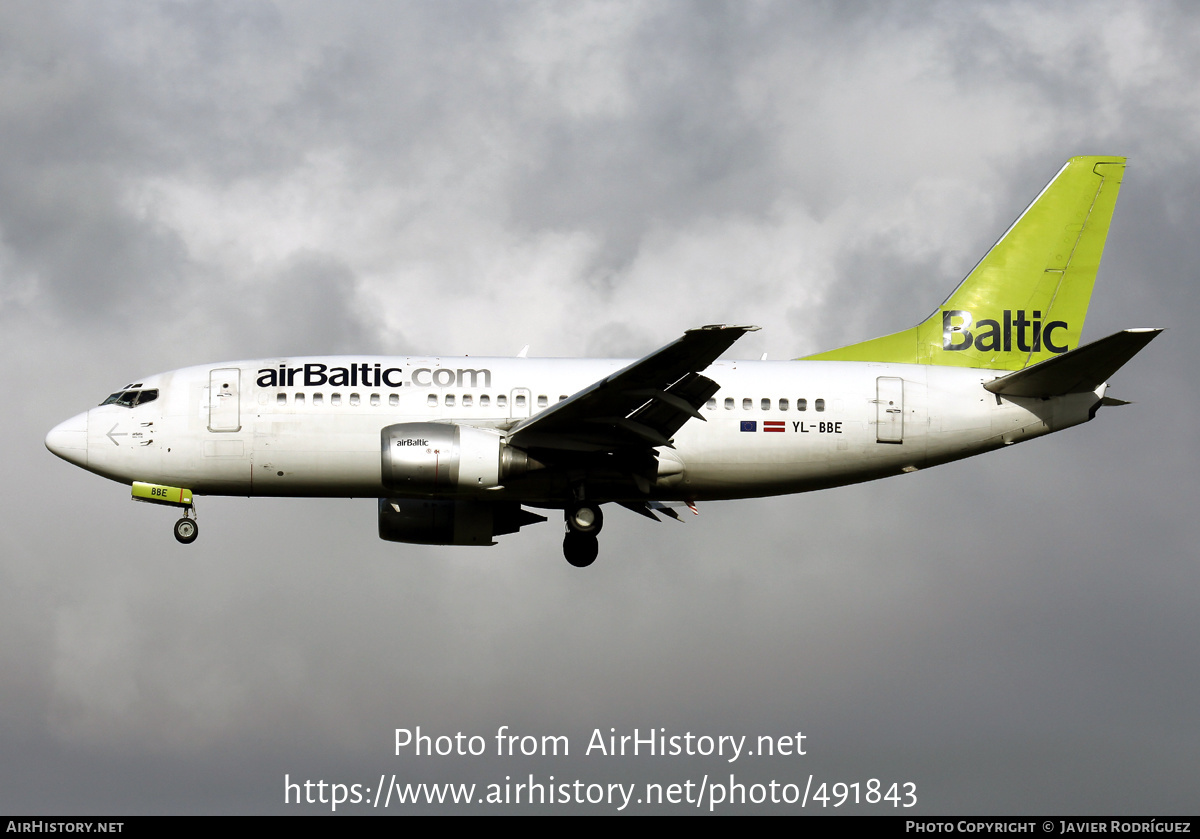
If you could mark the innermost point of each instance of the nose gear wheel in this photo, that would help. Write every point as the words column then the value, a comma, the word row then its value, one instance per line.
column 186, row 530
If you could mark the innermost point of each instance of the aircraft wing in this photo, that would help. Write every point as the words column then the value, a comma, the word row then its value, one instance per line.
column 638, row 407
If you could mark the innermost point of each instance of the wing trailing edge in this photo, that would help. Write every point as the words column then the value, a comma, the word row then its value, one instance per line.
column 638, row 407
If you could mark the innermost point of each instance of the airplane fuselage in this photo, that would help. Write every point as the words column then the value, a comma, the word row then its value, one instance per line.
column 311, row 426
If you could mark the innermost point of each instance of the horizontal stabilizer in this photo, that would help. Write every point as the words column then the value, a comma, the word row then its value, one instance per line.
column 1081, row 370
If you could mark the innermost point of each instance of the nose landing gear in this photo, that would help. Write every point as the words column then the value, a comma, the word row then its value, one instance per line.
column 186, row 529
column 580, row 545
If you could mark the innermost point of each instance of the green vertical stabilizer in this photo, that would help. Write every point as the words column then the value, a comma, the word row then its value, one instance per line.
column 1027, row 298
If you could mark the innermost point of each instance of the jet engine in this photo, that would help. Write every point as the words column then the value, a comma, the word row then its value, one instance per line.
column 437, row 457
column 437, row 521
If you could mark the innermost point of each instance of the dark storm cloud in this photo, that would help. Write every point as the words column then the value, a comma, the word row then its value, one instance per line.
column 682, row 132
column 191, row 182
column 309, row 306
column 65, row 151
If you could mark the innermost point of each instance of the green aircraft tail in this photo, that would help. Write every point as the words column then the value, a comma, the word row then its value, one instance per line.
column 1027, row 298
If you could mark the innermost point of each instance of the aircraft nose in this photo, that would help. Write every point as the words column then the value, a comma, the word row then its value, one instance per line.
column 68, row 440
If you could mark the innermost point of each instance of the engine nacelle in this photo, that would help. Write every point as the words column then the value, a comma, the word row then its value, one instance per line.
column 438, row 521
column 438, row 457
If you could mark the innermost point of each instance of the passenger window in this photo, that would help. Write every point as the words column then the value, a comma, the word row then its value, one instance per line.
column 562, row 397
column 711, row 405
column 335, row 399
column 394, row 400
column 299, row 399
column 501, row 401
column 765, row 405
column 728, row 403
column 747, row 404
column 783, row 403
column 354, row 399
column 431, row 400
column 467, row 400
column 484, row 401
column 819, row 404
column 281, row 399
column 449, row 400
column 543, row 401
column 801, row 404
column 521, row 400
column 374, row 398
column 318, row 399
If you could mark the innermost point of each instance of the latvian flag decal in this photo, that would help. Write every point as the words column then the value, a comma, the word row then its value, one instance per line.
column 773, row 425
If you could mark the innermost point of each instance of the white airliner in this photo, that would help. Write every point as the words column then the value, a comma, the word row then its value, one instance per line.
column 455, row 449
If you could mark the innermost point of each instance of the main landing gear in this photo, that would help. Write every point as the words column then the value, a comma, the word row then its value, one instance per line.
column 580, row 545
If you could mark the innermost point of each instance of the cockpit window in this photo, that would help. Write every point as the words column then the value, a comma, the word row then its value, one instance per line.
column 126, row 398
column 129, row 398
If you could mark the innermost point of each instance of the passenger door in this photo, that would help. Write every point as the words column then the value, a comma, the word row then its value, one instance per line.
column 224, row 401
column 889, row 410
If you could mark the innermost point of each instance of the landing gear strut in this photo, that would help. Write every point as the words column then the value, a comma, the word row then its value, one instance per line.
column 580, row 545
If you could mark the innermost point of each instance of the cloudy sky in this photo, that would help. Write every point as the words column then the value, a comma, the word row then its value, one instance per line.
column 189, row 182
